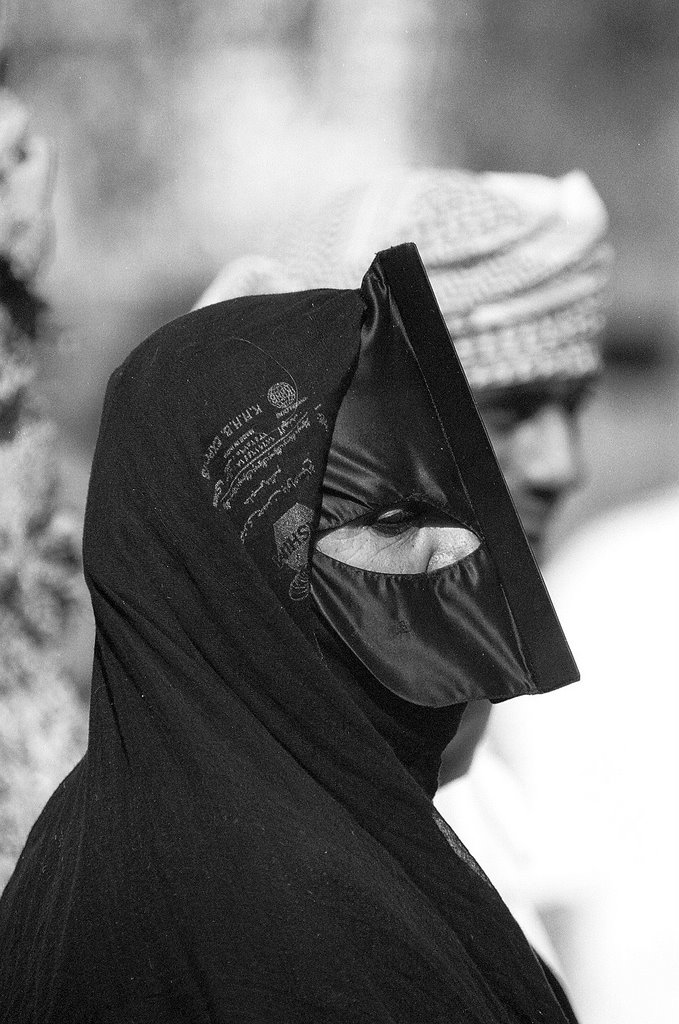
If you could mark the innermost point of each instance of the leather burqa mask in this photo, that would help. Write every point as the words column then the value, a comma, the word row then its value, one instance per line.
column 448, row 636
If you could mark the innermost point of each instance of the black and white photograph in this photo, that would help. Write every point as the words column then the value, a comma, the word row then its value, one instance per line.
column 339, row 512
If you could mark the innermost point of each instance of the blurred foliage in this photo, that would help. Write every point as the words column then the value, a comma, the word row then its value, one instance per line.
column 42, row 711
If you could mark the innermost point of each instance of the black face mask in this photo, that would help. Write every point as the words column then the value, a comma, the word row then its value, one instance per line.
column 407, row 437
column 435, row 639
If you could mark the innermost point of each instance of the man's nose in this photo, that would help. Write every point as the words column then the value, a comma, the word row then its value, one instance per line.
column 549, row 450
column 446, row 545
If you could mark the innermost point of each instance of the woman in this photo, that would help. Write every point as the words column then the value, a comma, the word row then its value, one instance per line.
column 250, row 836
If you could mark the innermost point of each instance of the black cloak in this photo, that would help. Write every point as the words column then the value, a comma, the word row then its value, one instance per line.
column 249, row 836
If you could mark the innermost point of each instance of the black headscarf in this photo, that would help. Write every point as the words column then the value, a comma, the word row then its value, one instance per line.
column 248, row 837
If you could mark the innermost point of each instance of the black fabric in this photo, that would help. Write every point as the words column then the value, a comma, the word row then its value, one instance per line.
column 247, row 838
column 405, row 291
column 434, row 638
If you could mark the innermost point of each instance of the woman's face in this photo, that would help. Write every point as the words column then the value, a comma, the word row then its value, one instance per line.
column 399, row 540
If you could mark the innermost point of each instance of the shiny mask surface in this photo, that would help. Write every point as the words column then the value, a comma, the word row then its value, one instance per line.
column 434, row 638
column 437, row 637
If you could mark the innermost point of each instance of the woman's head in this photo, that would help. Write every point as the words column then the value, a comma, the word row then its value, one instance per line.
column 226, row 447
column 255, row 800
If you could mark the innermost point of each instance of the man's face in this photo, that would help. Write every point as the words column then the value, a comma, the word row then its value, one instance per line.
column 534, row 431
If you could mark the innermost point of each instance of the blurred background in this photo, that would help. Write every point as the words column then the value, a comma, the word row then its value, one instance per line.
column 185, row 129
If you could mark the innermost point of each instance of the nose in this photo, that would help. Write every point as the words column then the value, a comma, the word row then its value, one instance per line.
column 547, row 451
column 446, row 545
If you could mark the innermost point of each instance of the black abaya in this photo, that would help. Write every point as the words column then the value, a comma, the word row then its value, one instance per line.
column 249, row 836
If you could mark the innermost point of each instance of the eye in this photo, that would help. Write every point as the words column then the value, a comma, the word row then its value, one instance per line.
column 394, row 521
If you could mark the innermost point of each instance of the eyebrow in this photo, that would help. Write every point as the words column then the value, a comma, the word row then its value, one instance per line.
column 576, row 389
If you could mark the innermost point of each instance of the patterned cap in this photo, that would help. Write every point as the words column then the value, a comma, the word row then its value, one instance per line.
column 518, row 262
